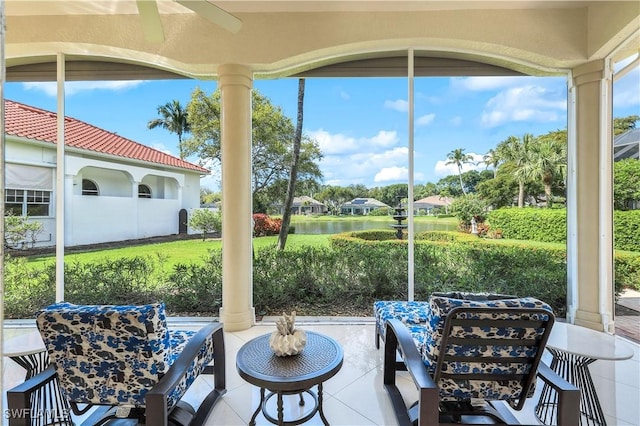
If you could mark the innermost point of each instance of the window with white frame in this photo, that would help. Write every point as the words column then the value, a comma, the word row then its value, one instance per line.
column 27, row 202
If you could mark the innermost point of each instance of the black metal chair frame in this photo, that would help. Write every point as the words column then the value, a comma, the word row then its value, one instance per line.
column 401, row 354
column 156, row 412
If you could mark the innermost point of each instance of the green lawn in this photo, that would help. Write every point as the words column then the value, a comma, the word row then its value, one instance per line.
column 181, row 251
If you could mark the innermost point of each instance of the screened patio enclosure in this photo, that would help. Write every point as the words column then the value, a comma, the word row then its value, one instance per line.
column 240, row 41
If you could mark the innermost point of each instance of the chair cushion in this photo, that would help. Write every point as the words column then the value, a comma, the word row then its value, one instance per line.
column 112, row 355
column 179, row 339
column 439, row 306
column 410, row 313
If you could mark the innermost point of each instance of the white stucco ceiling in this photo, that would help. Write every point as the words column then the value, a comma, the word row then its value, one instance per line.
column 279, row 38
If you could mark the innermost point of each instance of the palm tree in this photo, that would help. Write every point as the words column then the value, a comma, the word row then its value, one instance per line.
column 491, row 158
column 458, row 157
column 548, row 162
column 516, row 151
column 174, row 119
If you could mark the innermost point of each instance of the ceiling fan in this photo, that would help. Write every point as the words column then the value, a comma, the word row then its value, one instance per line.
column 152, row 25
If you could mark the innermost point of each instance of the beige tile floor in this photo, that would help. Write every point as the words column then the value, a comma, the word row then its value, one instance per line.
column 355, row 396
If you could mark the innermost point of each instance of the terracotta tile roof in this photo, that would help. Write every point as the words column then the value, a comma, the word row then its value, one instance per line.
column 34, row 123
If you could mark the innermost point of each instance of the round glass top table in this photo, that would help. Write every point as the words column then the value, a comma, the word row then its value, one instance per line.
column 48, row 406
column 320, row 360
column 573, row 348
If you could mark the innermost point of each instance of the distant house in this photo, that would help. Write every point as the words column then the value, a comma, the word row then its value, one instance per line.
column 627, row 145
column 307, row 205
column 115, row 189
column 361, row 206
column 303, row 205
column 431, row 202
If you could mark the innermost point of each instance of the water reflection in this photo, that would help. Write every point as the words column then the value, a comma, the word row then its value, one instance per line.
column 338, row 226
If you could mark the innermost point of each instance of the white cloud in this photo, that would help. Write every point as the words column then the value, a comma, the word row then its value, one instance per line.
column 391, row 174
column 443, row 169
column 162, row 148
column 361, row 166
column 333, row 143
column 398, row 105
column 477, row 84
column 344, row 95
column 337, row 143
column 384, row 138
column 72, row 87
column 456, row 121
column 524, row 103
column 425, row 119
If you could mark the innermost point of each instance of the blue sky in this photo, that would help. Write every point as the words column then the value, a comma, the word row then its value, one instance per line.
column 360, row 123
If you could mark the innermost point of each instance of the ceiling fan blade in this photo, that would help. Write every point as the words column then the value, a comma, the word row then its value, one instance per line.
column 213, row 13
column 150, row 20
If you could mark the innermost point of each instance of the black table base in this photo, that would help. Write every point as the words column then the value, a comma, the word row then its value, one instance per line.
column 575, row 369
column 280, row 420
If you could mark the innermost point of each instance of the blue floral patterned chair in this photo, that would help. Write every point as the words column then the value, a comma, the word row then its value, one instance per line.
column 468, row 352
column 126, row 361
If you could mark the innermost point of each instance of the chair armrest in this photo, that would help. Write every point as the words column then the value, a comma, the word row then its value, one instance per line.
column 156, row 397
column 19, row 398
column 398, row 338
column 568, row 396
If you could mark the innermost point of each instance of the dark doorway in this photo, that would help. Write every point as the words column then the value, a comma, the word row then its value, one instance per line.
column 182, row 221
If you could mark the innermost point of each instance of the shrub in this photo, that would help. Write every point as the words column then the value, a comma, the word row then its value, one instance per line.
column 205, row 220
column 382, row 211
column 195, row 288
column 548, row 225
column 626, row 230
column 469, row 207
column 351, row 274
column 264, row 225
column 20, row 231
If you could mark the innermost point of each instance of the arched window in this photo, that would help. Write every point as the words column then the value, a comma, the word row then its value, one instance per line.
column 144, row 191
column 89, row 187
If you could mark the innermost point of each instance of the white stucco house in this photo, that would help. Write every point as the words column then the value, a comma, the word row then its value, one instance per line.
column 431, row 202
column 114, row 188
column 361, row 206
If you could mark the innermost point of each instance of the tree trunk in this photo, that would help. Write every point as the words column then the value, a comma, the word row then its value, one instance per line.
column 286, row 216
column 547, row 193
column 460, row 177
column 520, row 194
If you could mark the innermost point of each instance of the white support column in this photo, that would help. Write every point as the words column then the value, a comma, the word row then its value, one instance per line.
column 572, row 210
column 237, row 312
column 60, row 190
column 592, row 257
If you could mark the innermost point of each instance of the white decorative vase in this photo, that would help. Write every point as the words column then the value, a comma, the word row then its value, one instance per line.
column 288, row 344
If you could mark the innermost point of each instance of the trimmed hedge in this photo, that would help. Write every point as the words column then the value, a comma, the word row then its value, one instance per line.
column 550, row 225
column 350, row 274
column 626, row 230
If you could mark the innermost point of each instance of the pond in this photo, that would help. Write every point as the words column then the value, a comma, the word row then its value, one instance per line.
column 338, row 226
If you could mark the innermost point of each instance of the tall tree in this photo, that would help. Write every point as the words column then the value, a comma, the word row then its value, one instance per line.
column 174, row 119
column 492, row 159
column 459, row 158
column 297, row 141
column 516, row 151
column 273, row 134
column 624, row 124
column 547, row 161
